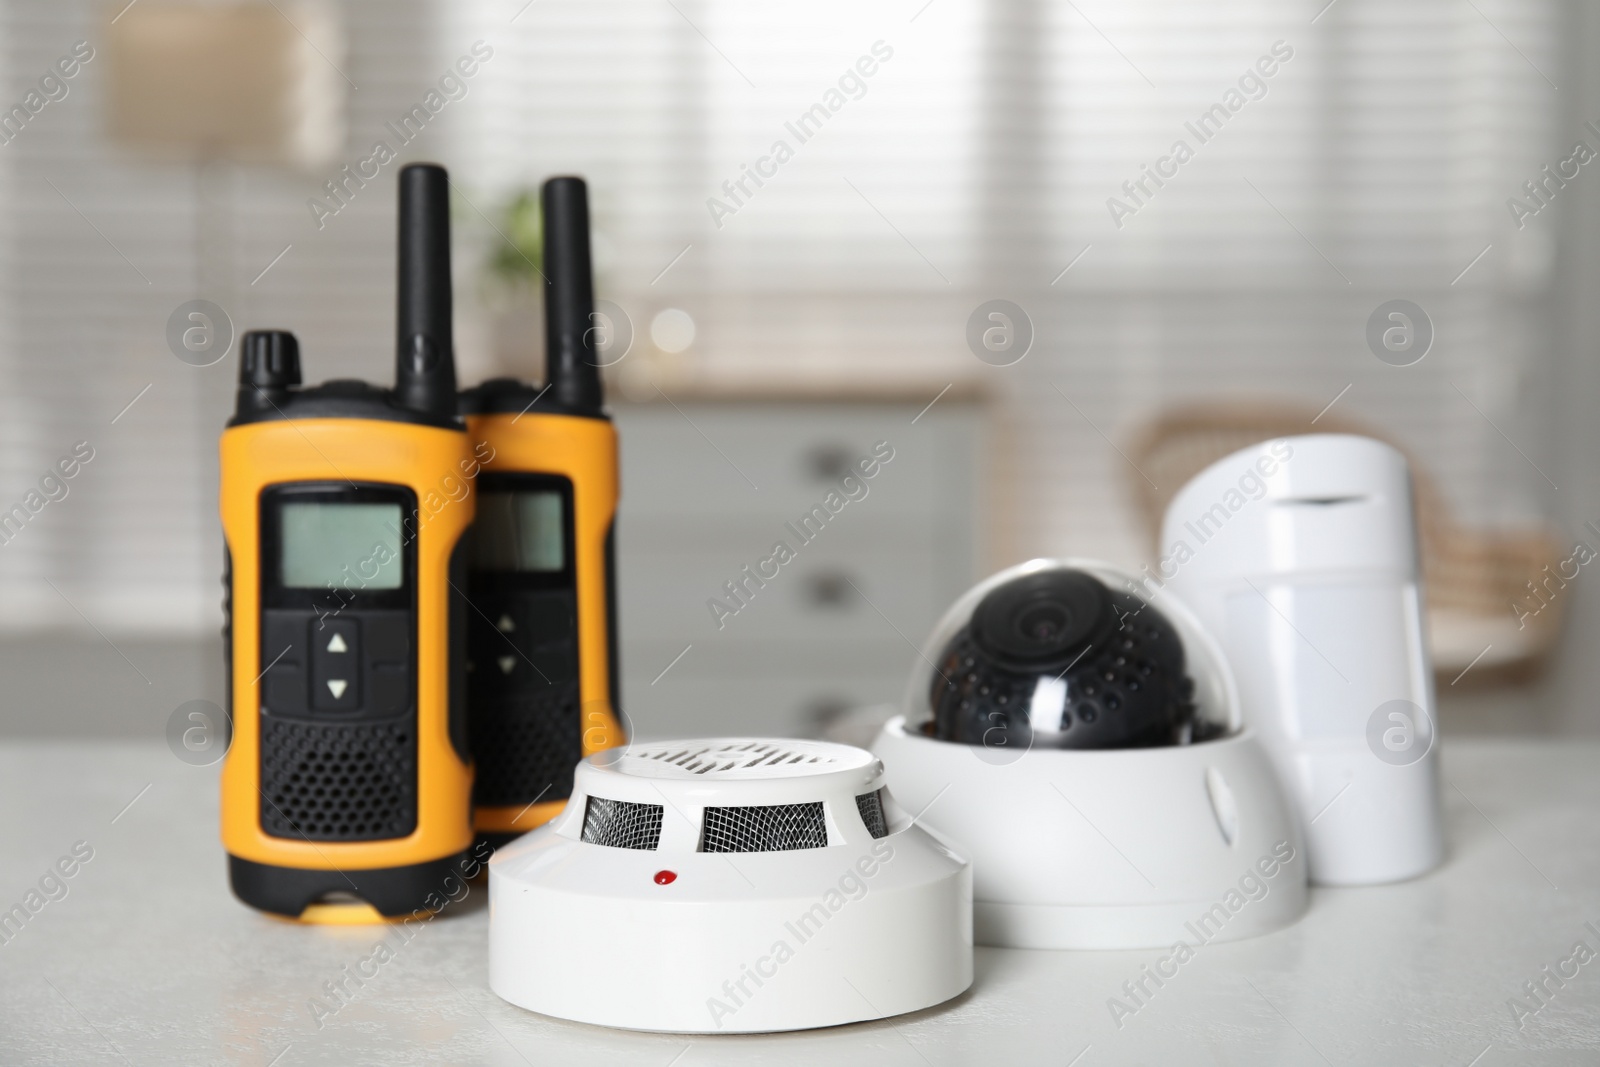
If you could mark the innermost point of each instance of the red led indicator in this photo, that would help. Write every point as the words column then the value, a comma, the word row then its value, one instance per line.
column 666, row 877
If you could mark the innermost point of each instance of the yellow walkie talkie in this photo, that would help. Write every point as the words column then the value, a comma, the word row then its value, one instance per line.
column 542, row 640
column 346, row 790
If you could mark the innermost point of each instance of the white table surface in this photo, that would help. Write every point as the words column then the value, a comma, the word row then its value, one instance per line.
column 148, row 959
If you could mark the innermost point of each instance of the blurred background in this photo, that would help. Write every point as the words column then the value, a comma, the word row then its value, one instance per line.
column 775, row 313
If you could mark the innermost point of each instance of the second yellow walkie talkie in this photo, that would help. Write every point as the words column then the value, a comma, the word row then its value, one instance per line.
column 345, row 792
column 542, row 639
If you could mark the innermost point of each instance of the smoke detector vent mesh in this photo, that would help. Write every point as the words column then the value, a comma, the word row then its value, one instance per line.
column 871, row 807
column 621, row 824
column 721, row 758
column 767, row 828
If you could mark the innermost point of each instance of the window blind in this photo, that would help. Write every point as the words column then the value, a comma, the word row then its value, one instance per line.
column 978, row 159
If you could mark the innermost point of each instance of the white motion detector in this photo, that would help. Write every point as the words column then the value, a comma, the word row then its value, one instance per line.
column 729, row 886
column 1078, row 735
column 1301, row 556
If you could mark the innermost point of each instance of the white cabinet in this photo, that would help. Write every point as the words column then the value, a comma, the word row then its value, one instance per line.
column 710, row 488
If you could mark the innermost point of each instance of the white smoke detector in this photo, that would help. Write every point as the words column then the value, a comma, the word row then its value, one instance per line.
column 734, row 885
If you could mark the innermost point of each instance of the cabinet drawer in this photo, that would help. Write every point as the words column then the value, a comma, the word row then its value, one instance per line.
column 783, row 705
column 827, row 592
column 778, row 460
column 747, row 538
column 661, row 663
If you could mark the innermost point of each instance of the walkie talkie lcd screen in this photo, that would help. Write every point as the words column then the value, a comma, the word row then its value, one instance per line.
column 355, row 546
column 519, row 532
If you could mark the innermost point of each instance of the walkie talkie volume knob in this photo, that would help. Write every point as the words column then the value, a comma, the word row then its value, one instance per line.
column 269, row 364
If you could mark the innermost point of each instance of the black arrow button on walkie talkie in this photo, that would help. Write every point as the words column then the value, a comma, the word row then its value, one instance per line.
column 336, row 666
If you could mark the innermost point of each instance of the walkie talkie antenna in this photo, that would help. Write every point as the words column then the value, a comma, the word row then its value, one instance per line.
column 425, row 370
column 572, row 371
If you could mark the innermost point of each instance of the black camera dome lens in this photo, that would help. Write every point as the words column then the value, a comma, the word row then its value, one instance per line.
column 1042, row 619
column 1044, row 622
column 1058, row 659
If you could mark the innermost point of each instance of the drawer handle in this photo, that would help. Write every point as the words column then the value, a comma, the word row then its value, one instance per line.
column 829, row 463
column 830, row 590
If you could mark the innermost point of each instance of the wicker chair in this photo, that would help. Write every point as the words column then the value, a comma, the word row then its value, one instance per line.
column 1474, row 577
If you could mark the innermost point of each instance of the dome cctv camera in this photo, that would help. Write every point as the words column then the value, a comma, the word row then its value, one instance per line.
column 1078, row 735
column 1057, row 659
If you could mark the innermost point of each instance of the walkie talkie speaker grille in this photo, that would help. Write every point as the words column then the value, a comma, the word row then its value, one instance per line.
column 338, row 781
column 528, row 749
column 751, row 886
